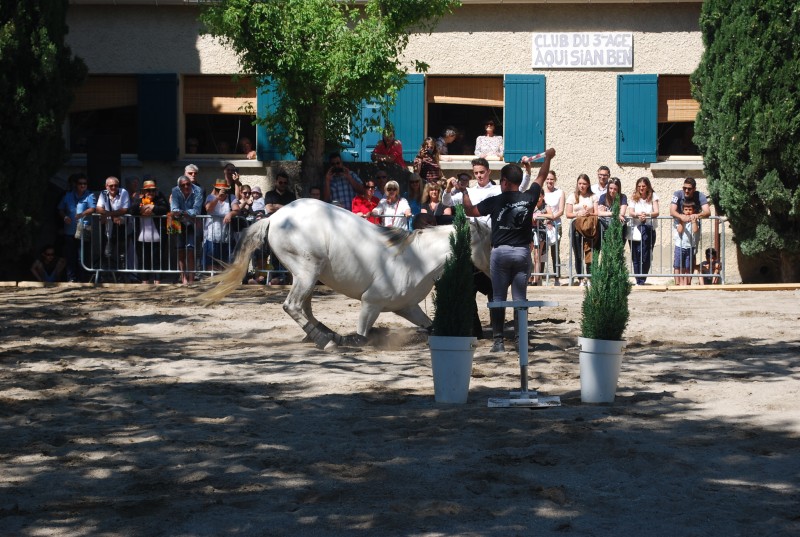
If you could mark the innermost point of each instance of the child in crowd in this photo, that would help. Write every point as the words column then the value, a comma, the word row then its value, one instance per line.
column 685, row 236
column 49, row 267
column 710, row 268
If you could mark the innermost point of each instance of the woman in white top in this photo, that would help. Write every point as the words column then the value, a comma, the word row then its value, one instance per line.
column 393, row 208
column 490, row 146
column 555, row 200
column 643, row 210
column 221, row 207
column 580, row 203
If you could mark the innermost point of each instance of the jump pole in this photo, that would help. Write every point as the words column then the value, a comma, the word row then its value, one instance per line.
column 523, row 398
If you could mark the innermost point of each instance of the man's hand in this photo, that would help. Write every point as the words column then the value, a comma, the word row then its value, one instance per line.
column 452, row 183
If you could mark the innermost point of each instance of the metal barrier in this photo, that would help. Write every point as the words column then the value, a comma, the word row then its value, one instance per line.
column 136, row 248
column 662, row 248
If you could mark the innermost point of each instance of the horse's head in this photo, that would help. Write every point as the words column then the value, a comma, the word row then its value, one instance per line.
column 481, row 237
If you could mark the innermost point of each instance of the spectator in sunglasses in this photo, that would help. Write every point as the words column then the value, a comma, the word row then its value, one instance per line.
column 689, row 194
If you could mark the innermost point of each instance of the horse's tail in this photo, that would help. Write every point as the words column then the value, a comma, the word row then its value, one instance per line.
column 229, row 280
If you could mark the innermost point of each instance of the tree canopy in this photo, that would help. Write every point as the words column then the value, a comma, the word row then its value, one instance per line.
column 748, row 128
column 323, row 58
column 37, row 76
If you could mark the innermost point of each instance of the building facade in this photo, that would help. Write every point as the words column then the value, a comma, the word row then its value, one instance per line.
column 604, row 82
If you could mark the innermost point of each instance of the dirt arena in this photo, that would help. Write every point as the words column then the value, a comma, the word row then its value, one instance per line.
column 132, row 411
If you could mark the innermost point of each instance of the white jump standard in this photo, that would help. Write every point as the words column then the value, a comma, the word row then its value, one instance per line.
column 523, row 398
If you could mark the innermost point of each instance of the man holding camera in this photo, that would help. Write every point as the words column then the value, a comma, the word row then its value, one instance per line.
column 341, row 185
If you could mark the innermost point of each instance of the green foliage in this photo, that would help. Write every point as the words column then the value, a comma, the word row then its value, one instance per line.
column 605, row 302
column 324, row 57
column 37, row 75
column 748, row 127
column 454, row 295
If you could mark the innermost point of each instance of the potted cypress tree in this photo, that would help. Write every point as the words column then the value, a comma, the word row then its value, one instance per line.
column 452, row 344
column 604, row 317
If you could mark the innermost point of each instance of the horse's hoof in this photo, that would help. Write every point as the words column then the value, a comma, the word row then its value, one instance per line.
column 331, row 346
column 355, row 340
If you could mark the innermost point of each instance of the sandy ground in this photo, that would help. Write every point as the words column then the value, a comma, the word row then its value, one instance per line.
column 131, row 411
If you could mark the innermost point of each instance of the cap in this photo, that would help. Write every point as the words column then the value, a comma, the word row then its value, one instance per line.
column 221, row 184
column 148, row 185
column 256, row 189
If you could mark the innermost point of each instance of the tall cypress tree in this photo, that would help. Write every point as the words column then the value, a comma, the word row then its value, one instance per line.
column 37, row 76
column 453, row 301
column 604, row 312
column 748, row 128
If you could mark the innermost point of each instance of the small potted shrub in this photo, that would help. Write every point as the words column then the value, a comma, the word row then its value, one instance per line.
column 604, row 317
column 452, row 344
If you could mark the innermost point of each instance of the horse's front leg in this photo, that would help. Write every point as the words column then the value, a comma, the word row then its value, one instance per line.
column 415, row 315
column 366, row 318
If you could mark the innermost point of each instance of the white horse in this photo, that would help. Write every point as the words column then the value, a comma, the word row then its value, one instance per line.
column 386, row 269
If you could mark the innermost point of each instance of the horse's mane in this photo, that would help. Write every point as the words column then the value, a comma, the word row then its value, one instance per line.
column 400, row 239
column 394, row 235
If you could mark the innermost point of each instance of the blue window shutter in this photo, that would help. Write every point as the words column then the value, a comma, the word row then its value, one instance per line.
column 637, row 118
column 359, row 148
column 524, row 128
column 158, row 116
column 408, row 115
column 266, row 101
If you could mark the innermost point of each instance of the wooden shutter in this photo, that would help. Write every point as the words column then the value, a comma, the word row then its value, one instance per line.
column 158, row 116
column 637, row 132
column 266, row 102
column 524, row 122
column 408, row 115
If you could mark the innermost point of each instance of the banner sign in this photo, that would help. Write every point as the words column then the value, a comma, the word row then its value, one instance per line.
column 582, row 50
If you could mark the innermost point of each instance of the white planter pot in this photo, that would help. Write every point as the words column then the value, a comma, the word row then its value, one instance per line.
column 451, row 359
column 600, row 364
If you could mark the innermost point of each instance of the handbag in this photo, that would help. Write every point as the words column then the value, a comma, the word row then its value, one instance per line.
column 635, row 232
column 552, row 235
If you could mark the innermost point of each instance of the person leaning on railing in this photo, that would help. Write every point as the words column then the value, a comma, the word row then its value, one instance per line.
column 150, row 204
column 186, row 202
column 642, row 211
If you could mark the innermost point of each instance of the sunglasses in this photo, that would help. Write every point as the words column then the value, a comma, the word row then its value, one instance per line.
column 185, row 185
column 391, row 190
column 112, row 186
column 688, row 188
column 370, row 187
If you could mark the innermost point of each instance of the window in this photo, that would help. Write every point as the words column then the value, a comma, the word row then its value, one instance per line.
column 515, row 102
column 655, row 117
column 105, row 112
column 465, row 103
column 219, row 115
column 677, row 111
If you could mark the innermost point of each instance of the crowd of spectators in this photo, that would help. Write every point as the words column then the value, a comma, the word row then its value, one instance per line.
column 202, row 228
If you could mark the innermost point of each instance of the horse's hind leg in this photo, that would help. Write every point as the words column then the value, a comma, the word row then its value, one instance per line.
column 298, row 306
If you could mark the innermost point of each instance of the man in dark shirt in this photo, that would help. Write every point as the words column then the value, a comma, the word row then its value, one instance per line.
column 280, row 195
column 511, row 214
